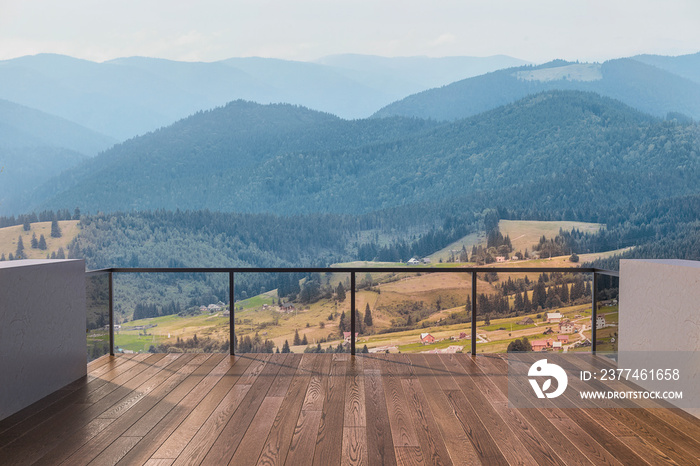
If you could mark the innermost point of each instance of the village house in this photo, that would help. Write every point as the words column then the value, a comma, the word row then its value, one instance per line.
column 549, row 331
column 213, row 308
column 563, row 338
column 556, row 345
column 553, row 317
column 567, row 327
column 526, row 321
column 538, row 345
column 426, row 338
column 462, row 335
column 346, row 337
column 413, row 261
column 600, row 322
column 287, row 307
column 500, row 258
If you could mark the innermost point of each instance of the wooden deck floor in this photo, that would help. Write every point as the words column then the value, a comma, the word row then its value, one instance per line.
column 163, row 409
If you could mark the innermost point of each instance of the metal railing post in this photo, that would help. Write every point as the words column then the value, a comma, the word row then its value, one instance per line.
column 594, row 314
column 352, row 313
column 111, row 315
column 474, row 313
column 231, row 320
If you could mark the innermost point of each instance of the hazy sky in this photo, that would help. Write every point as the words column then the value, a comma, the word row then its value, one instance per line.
column 208, row 30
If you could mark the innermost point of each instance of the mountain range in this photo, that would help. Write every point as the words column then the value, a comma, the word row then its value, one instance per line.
column 34, row 146
column 657, row 86
column 553, row 151
column 126, row 97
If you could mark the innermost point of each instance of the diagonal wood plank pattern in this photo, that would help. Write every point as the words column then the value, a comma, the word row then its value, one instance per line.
column 324, row 409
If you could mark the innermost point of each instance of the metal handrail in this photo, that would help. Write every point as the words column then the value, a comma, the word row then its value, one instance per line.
column 352, row 271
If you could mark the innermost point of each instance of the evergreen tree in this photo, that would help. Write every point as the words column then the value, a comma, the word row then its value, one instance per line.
column 487, row 320
column 35, row 242
column 20, row 249
column 60, row 254
column 26, row 225
column 297, row 340
column 285, row 347
column 564, row 293
column 527, row 306
column 42, row 243
column 340, row 291
column 55, row 229
column 304, row 341
column 342, row 324
column 2, row 257
column 368, row 316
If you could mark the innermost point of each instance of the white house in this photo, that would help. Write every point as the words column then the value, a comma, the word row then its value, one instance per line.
column 413, row 261
column 600, row 322
column 553, row 317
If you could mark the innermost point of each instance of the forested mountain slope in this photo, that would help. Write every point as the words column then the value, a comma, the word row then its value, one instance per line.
column 35, row 146
column 639, row 85
column 553, row 151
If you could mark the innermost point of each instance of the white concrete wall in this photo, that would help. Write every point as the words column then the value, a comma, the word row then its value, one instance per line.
column 659, row 305
column 42, row 329
column 660, row 316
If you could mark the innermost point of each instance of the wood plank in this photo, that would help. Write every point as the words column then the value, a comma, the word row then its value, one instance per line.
column 231, row 435
column 484, row 445
column 37, row 408
column 508, row 443
column 72, row 418
column 457, row 443
column 158, row 462
column 178, row 440
column 253, row 441
column 561, row 444
column 129, row 428
column 650, row 454
column 431, row 442
column 275, row 450
column 494, row 386
column 112, row 454
column 159, row 422
column 409, row 456
column 49, row 413
column 403, row 432
column 670, row 441
column 676, row 432
column 315, row 394
column 303, row 443
column 69, row 445
column 199, row 446
column 329, row 442
column 586, row 444
column 355, row 413
column 380, row 445
column 354, row 446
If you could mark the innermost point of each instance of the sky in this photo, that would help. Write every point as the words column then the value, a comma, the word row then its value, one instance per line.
column 210, row 30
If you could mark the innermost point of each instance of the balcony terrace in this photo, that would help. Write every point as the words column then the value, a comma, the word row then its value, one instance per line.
column 162, row 409
column 323, row 409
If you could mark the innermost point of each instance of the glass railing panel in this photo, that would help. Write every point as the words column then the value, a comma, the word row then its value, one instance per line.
column 292, row 312
column 607, row 320
column 415, row 312
column 171, row 312
column 97, row 318
column 534, row 311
